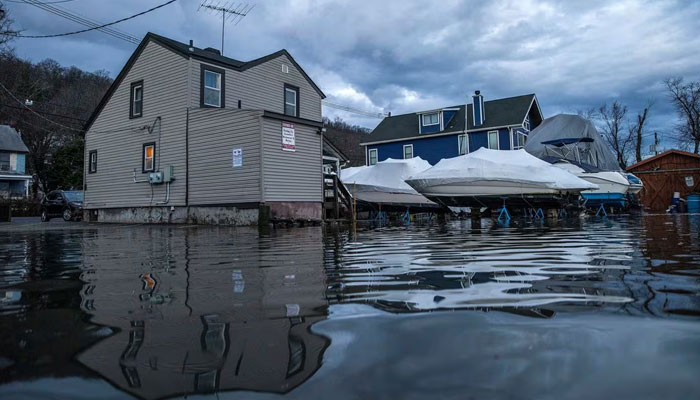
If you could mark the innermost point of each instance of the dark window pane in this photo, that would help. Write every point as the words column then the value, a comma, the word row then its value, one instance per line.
column 290, row 110
column 212, row 97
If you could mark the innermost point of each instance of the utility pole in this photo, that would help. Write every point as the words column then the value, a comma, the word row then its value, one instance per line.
column 228, row 11
column 656, row 144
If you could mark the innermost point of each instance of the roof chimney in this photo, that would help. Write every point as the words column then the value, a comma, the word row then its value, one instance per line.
column 478, row 110
column 191, row 45
column 212, row 50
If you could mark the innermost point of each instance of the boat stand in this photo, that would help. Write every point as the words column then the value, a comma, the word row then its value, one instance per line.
column 406, row 218
column 601, row 211
column 503, row 215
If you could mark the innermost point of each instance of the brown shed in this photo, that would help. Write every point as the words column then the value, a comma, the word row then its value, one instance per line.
column 666, row 173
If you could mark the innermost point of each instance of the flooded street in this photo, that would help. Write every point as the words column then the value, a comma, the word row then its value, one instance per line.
column 582, row 308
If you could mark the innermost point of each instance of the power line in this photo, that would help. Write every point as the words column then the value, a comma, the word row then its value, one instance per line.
column 64, row 13
column 45, row 2
column 47, row 113
column 354, row 110
column 99, row 27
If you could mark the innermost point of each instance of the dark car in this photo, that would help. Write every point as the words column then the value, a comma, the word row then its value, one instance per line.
column 62, row 203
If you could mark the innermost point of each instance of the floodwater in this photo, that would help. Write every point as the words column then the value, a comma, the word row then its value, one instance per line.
column 585, row 308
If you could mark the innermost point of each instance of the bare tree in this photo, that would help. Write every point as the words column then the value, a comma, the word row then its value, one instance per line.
column 6, row 32
column 686, row 98
column 636, row 131
column 588, row 113
column 619, row 140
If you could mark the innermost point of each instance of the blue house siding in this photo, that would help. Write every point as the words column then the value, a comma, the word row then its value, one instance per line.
column 447, row 116
column 430, row 128
column 21, row 163
column 480, row 139
column 503, row 139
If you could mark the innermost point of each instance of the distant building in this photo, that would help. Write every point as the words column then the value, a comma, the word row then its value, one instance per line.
column 14, row 182
column 664, row 174
column 501, row 124
column 187, row 135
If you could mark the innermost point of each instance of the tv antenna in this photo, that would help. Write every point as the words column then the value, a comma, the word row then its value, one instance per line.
column 234, row 12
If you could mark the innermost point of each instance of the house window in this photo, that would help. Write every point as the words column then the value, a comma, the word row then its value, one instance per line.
column 136, row 104
column 291, row 100
column 372, row 158
column 4, row 161
column 493, row 140
column 519, row 139
column 430, row 119
column 526, row 124
column 212, row 91
column 462, row 145
column 407, row 151
column 149, row 157
column 92, row 162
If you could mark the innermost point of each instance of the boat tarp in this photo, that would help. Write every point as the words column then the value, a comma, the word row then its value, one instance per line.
column 563, row 129
column 512, row 166
column 386, row 176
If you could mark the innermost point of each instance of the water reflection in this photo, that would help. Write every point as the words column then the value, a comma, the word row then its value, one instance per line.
column 166, row 311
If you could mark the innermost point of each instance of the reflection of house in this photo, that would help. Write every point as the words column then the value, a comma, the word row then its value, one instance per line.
column 14, row 182
column 208, row 313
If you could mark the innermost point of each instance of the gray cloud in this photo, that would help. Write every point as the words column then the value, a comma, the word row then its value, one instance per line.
column 404, row 56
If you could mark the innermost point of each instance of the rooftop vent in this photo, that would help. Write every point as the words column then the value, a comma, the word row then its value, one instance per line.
column 212, row 50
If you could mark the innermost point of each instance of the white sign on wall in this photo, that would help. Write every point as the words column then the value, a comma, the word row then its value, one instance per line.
column 689, row 181
column 237, row 158
column 288, row 139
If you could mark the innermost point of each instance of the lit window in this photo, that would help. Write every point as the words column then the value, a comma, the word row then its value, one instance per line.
column 92, row 164
column 291, row 100
column 212, row 91
column 493, row 140
column 136, row 105
column 462, row 144
column 372, row 156
column 407, row 151
column 149, row 157
column 430, row 119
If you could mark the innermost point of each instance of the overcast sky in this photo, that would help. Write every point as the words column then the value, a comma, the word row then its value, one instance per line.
column 404, row 56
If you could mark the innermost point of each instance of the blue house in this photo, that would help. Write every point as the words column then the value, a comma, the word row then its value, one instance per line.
column 14, row 182
column 501, row 124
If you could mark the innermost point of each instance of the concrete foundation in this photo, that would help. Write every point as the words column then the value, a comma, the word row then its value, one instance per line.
column 207, row 215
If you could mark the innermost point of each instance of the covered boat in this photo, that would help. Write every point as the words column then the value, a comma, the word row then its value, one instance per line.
column 492, row 178
column 572, row 142
column 382, row 185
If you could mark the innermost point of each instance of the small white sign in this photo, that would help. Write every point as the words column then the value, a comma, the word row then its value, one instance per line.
column 689, row 181
column 237, row 158
column 288, row 139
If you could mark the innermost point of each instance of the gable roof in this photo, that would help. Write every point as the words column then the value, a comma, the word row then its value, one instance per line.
column 199, row 54
column 499, row 113
column 664, row 154
column 11, row 141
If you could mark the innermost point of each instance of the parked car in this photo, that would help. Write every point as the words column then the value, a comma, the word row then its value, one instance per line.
column 67, row 204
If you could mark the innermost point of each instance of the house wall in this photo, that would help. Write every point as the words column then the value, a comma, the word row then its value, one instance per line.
column 213, row 134
column 261, row 87
column 119, row 141
column 292, row 176
column 435, row 148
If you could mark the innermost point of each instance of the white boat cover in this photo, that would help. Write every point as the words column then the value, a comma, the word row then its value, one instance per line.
column 567, row 126
column 386, row 176
column 499, row 165
column 346, row 173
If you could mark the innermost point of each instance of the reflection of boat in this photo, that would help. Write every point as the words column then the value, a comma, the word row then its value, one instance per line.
column 383, row 184
column 487, row 178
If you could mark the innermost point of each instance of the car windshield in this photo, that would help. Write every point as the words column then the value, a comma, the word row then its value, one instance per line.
column 73, row 196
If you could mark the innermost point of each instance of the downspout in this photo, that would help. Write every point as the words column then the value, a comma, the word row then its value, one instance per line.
column 187, row 159
column 262, row 159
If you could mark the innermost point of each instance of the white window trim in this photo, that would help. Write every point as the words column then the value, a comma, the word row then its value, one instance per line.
column 404, row 151
column 488, row 140
column 369, row 156
column 466, row 143
column 431, row 124
column 212, row 88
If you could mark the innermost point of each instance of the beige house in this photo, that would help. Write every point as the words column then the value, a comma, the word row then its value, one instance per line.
column 187, row 135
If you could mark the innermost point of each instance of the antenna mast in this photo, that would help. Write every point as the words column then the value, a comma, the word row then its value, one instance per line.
column 229, row 11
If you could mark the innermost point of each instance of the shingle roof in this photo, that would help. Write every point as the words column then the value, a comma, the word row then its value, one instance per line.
column 500, row 112
column 664, row 154
column 11, row 141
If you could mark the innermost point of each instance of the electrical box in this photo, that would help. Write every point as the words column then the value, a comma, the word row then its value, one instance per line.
column 155, row 177
column 169, row 174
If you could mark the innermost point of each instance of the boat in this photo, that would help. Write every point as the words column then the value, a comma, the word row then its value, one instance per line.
column 572, row 143
column 636, row 185
column 382, row 186
column 494, row 178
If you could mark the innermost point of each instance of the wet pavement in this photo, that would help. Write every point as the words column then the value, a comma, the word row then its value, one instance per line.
column 576, row 309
